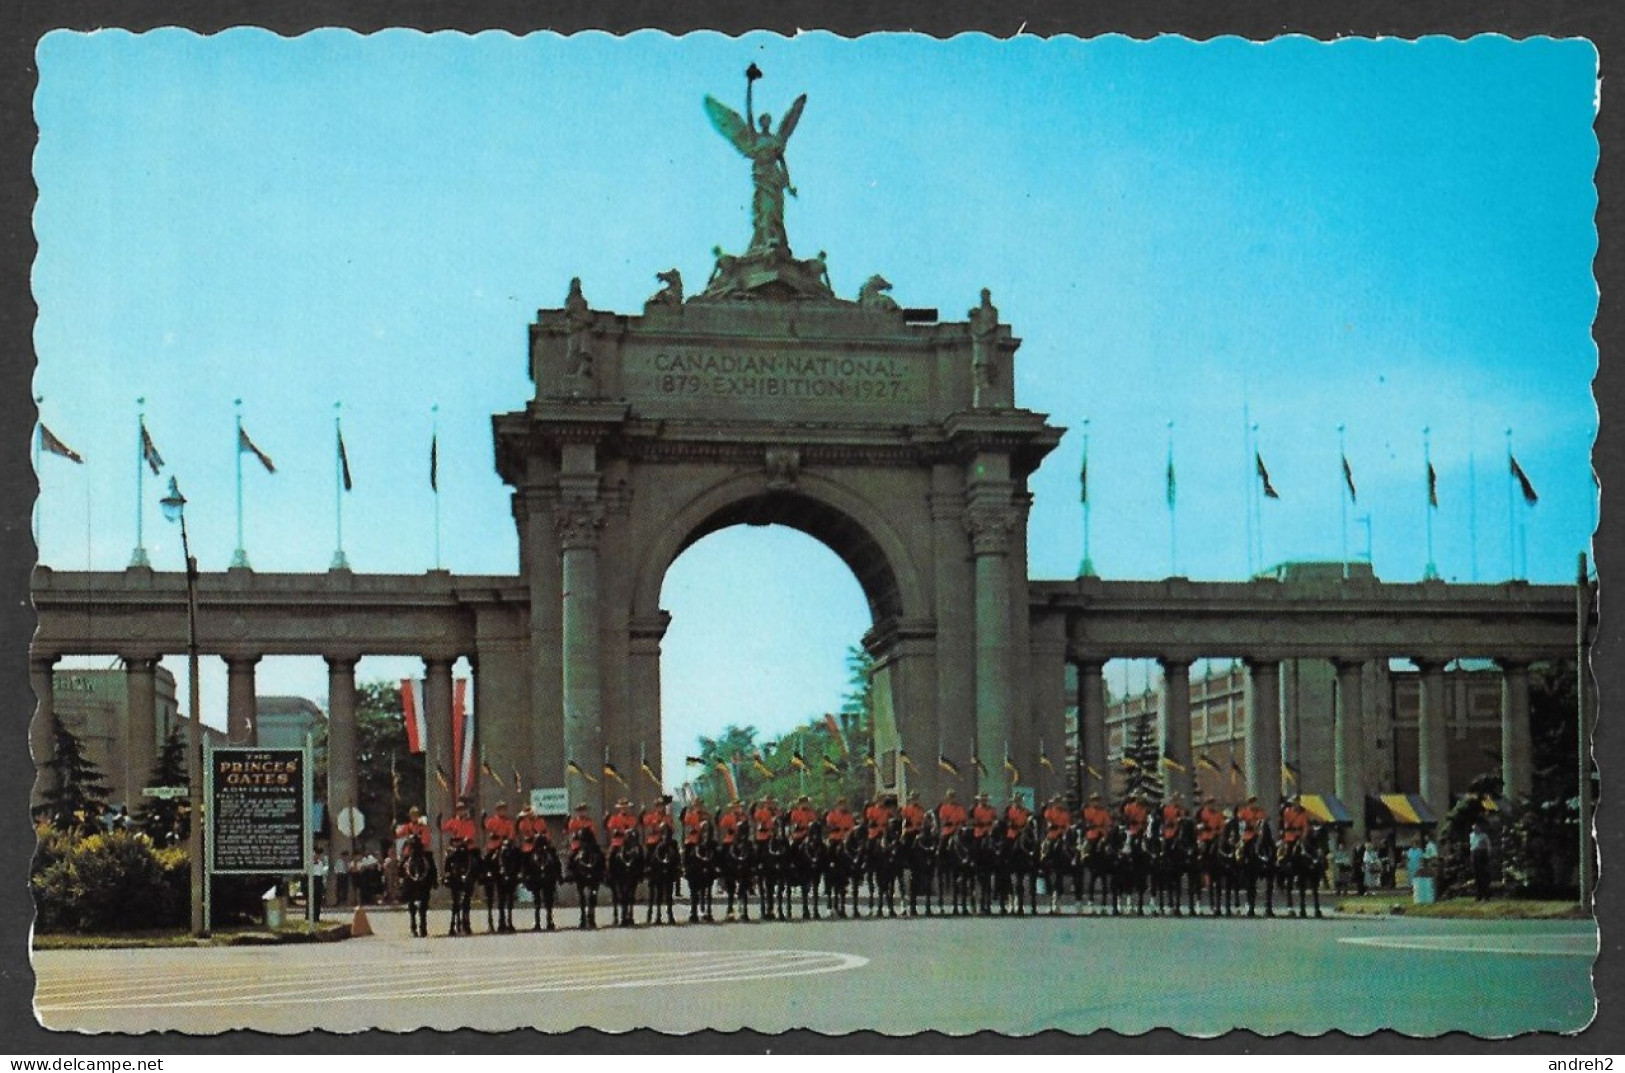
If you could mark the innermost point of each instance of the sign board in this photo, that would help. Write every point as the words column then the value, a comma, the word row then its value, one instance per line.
column 550, row 801
column 351, row 822
column 164, row 793
column 258, row 810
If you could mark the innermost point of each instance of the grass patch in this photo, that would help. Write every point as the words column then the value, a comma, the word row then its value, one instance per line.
column 1468, row 908
column 293, row 932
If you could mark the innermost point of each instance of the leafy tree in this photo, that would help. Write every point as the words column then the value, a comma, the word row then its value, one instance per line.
column 1142, row 761
column 734, row 748
column 162, row 818
column 78, row 796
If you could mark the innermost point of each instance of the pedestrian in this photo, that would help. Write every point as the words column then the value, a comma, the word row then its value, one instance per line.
column 392, row 876
column 1478, row 847
column 318, row 884
column 367, row 879
column 1371, row 869
column 342, row 870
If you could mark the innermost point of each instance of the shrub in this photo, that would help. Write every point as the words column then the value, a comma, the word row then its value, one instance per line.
column 108, row 882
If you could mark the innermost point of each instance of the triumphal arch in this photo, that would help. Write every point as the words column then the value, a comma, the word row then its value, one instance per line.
column 891, row 436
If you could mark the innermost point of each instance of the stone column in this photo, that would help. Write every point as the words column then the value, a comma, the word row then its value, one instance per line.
column 1049, row 701
column 545, row 673
column 953, row 599
column 644, row 671
column 1176, row 725
column 1092, row 726
column 1432, row 738
column 141, row 727
column 1517, row 749
column 1264, row 732
column 578, row 525
column 1349, row 743
column 990, row 523
column 438, row 800
column 41, row 736
column 241, row 714
column 341, row 736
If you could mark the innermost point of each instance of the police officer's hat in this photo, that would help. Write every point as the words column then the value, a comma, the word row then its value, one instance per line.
column 1095, row 796
column 580, row 805
column 502, row 804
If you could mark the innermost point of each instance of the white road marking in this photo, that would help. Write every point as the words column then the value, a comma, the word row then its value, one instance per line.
column 218, row 985
column 1566, row 944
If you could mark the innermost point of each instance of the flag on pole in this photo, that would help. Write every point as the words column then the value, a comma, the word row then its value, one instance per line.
column 1043, row 759
column 976, row 761
column 869, row 761
column 1129, row 763
column 344, row 462
column 696, row 761
column 947, row 765
column 518, row 784
column 434, row 462
column 573, row 768
column 1206, row 761
column 906, row 760
column 798, row 761
column 1348, row 479
column 417, row 726
column 1524, row 483
column 1289, row 773
column 643, row 766
column 149, row 451
column 727, row 774
column 612, row 772
column 1010, row 766
column 246, row 444
column 1083, row 476
column 1172, row 488
column 833, row 725
column 486, row 767
column 1433, row 486
column 1264, row 476
column 1093, row 774
column 1172, row 765
column 462, row 738
column 830, row 767
column 760, row 765
column 441, row 777
column 48, row 440
column 1236, row 772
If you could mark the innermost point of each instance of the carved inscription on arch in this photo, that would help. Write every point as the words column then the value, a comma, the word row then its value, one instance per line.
column 701, row 378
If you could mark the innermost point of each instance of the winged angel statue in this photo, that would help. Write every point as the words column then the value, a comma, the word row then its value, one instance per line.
column 769, row 174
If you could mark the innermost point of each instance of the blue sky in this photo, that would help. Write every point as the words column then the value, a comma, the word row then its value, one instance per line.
column 1379, row 234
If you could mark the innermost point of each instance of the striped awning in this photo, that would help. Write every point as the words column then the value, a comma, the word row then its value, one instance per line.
column 1326, row 808
column 1406, row 810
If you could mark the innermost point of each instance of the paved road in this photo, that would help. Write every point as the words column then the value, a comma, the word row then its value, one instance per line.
column 1018, row 976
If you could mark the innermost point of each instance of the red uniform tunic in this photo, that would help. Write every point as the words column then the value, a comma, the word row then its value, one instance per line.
column 655, row 822
column 839, row 823
column 877, row 817
column 413, row 829
column 729, row 824
column 1056, row 819
column 1097, row 822
column 913, row 819
column 982, row 818
column 1172, row 816
column 459, row 827
column 1252, row 821
column 802, row 817
column 950, row 817
column 496, row 829
column 1294, row 823
column 621, row 826
column 765, row 819
column 1209, row 823
column 1135, row 817
column 532, row 829
column 578, row 823
column 1015, row 821
column 694, row 817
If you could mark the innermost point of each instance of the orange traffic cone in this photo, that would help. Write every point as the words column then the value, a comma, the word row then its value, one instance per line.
column 359, row 925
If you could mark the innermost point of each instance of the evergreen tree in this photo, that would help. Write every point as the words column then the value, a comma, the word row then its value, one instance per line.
column 1143, row 761
column 79, row 795
column 162, row 817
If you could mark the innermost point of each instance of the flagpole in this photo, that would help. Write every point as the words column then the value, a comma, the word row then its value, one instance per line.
column 139, row 556
column 239, row 558
column 434, row 476
column 1343, row 502
column 1247, row 487
column 1173, row 510
column 1087, row 567
column 339, row 561
column 1258, row 499
column 1432, row 571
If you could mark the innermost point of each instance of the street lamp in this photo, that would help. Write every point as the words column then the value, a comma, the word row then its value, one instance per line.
column 174, row 507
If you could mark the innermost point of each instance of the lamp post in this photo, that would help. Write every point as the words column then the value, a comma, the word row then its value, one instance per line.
column 174, row 507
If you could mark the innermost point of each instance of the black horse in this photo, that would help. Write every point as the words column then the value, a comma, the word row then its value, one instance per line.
column 1299, row 867
column 959, row 857
column 700, row 867
column 1018, row 878
column 809, row 864
column 849, row 862
column 662, row 863
column 1057, row 859
column 500, row 875
column 1176, row 874
column 1212, row 866
column 1254, row 863
column 886, row 861
column 542, row 873
column 418, row 878
column 738, row 865
column 587, row 868
column 919, row 852
column 1097, row 871
column 624, row 872
column 462, row 875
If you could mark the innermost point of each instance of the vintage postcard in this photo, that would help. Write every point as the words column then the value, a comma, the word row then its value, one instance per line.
column 884, row 533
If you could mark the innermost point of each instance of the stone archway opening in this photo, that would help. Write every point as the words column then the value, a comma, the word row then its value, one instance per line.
column 763, row 619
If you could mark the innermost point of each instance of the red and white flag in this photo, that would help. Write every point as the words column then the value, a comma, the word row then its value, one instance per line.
column 417, row 726
column 462, row 738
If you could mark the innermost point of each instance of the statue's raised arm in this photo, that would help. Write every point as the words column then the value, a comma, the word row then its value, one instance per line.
column 770, row 177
